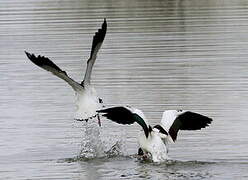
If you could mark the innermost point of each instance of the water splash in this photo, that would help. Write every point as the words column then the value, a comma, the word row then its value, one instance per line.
column 91, row 145
column 116, row 149
column 95, row 143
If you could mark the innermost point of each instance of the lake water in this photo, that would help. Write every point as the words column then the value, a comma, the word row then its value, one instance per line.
column 157, row 55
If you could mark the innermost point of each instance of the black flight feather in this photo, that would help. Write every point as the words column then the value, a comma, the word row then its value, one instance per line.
column 122, row 115
column 188, row 121
column 47, row 64
column 42, row 61
column 118, row 114
column 99, row 37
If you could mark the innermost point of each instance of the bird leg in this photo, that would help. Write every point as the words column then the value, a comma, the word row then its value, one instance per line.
column 143, row 155
column 99, row 120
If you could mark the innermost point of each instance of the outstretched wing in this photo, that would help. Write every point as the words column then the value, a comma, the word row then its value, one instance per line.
column 124, row 115
column 96, row 45
column 173, row 122
column 48, row 65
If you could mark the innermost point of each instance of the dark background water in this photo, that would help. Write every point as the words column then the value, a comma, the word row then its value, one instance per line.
column 157, row 55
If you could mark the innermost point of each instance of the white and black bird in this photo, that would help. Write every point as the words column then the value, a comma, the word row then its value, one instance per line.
column 153, row 140
column 87, row 101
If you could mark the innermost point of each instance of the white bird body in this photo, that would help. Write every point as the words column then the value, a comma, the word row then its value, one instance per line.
column 153, row 145
column 87, row 103
column 154, row 140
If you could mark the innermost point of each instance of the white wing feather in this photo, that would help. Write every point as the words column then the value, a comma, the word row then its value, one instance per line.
column 167, row 120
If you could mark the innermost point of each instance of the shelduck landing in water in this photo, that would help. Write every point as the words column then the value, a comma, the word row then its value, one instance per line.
column 154, row 140
column 87, row 101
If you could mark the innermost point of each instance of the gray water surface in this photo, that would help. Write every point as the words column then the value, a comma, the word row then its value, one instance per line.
column 157, row 55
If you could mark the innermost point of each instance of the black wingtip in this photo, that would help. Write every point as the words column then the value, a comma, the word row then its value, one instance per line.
column 43, row 61
column 99, row 36
column 104, row 24
column 28, row 54
column 32, row 57
column 103, row 30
